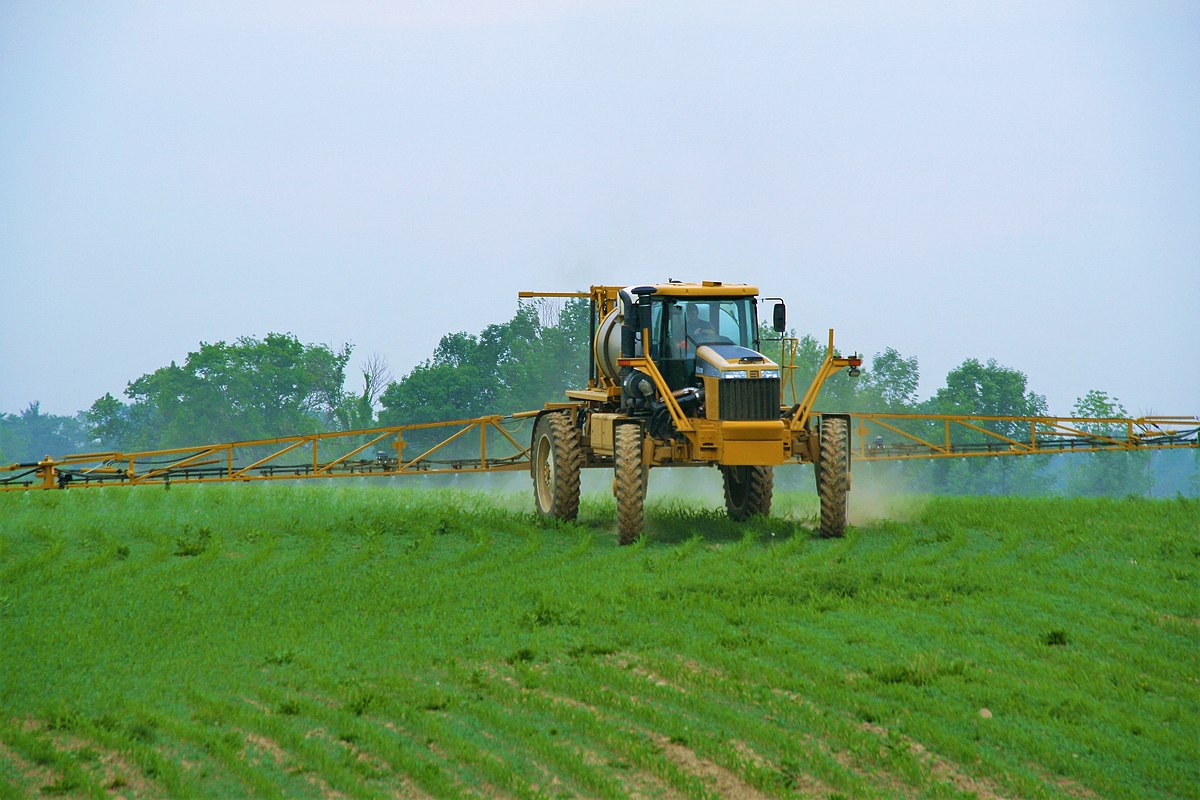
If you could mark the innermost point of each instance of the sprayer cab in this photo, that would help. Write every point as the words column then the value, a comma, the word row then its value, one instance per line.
column 697, row 337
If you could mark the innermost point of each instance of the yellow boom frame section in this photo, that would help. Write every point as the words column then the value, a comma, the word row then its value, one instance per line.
column 899, row 437
column 283, row 458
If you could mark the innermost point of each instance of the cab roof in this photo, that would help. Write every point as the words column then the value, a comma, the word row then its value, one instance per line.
column 705, row 289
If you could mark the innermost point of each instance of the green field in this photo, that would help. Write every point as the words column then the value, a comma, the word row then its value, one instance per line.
column 372, row 641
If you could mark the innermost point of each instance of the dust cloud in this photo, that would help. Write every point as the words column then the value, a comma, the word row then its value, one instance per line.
column 880, row 492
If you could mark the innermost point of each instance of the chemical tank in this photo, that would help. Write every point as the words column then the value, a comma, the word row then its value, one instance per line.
column 608, row 344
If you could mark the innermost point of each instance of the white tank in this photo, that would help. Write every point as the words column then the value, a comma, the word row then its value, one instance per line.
column 608, row 344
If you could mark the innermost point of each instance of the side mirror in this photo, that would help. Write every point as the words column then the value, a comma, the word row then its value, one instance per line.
column 779, row 320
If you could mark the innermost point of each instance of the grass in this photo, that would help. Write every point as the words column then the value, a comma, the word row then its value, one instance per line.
column 317, row 640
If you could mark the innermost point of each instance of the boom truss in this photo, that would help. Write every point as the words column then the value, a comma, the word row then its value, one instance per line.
column 894, row 437
column 338, row 454
column 380, row 452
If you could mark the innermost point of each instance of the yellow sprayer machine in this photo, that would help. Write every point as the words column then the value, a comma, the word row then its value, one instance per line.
column 676, row 378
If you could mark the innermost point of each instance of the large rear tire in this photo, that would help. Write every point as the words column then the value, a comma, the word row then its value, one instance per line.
column 748, row 491
column 556, row 458
column 630, row 484
column 833, row 476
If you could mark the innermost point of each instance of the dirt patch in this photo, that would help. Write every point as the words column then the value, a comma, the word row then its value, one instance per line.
column 891, row 785
column 657, row 680
column 428, row 745
column 800, row 784
column 258, row 704
column 696, row 668
column 942, row 769
column 1074, row 789
column 123, row 777
column 510, row 681
column 489, row 790
column 31, row 774
column 281, row 758
column 638, row 784
column 727, row 784
column 408, row 789
column 646, row 786
column 647, row 674
column 109, row 768
column 377, row 763
column 799, row 700
column 277, row 754
column 550, row 784
column 1068, row 786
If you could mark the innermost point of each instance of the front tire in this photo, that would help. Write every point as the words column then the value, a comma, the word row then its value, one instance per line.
column 630, row 483
column 748, row 491
column 556, row 457
column 833, row 476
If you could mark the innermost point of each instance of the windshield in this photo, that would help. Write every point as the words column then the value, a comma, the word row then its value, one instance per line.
column 679, row 325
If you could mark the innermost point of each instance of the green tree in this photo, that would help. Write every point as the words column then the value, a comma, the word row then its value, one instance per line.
column 250, row 389
column 989, row 390
column 110, row 423
column 892, row 380
column 986, row 389
column 433, row 392
column 512, row 366
column 518, row 365
column 1111, row 473
column 357, row 410
column 29, row 435
column 889, row 384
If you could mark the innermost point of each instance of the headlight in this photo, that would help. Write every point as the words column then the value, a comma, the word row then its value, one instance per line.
column 733, row 373
column 769, row 373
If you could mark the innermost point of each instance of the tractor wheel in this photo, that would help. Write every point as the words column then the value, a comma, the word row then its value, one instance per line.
column 630, row 484
column 748, row 491
column 555, row 459
column 833, row 477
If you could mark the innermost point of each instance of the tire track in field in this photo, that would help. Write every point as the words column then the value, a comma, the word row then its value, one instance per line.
column 943, row 769
column 725, row 777
column 418, row 766
column 726, row 782
column 284, row 760
column 940, row 770
column 636, row 783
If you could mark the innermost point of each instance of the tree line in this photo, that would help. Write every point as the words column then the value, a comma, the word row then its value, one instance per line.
column 275, row 386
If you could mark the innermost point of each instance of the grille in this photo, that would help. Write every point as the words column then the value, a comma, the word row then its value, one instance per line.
column 749, row 399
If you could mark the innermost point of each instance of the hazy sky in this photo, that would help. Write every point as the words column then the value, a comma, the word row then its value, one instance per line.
column 1018, row 181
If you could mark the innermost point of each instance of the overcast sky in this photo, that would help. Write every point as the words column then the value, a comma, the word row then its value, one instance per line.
column 1018, row 181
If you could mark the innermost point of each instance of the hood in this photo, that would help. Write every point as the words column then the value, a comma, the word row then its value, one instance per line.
column 712, row 359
